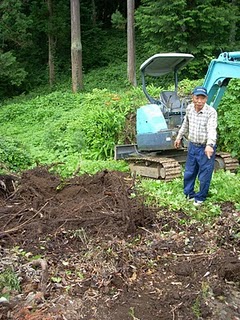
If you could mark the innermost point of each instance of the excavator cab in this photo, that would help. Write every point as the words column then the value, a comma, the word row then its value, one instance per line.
column 158, row 122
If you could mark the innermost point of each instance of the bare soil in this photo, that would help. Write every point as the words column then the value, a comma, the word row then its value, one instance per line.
column 88, row 248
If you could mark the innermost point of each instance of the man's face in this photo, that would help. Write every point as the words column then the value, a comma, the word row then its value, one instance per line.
column 199, row 101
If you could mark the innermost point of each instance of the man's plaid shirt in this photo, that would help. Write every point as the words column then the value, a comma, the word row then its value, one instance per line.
column 199, row 127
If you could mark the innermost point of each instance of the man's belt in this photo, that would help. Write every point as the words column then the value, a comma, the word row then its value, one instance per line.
column 198, row 144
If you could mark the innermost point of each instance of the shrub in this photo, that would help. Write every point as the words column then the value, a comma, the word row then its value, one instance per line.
column 13, row 154
column 228, row 120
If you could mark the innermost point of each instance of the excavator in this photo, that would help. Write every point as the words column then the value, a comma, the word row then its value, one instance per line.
column 158, row 122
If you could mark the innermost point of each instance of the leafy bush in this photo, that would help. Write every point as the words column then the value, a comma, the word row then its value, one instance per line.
column 11, row 75
column 228, row 119
column 14, row 155
column 61, row 126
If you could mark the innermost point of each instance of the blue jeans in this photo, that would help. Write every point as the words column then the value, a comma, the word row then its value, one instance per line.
column 198, row 165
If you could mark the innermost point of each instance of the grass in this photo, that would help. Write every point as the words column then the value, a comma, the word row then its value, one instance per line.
column 225, row 187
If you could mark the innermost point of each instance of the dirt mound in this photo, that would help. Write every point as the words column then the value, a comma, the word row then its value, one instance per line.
column 43, row 204
column 88, row 248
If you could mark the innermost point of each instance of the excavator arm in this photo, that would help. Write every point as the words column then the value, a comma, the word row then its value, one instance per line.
column 220, row 72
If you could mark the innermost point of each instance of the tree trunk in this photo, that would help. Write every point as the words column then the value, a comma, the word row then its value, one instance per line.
column 76, row 46
column 94, row 13
column 233, row 28
column 51, row 45
column 131, row 69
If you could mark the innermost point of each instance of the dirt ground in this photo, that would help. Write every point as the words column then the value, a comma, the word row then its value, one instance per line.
column 88, row 248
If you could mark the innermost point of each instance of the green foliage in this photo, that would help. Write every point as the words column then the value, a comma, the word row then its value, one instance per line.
column 12, row 74
column 163, row 194
column 13, row 154
column 196, row 308
column 225, row 187
column 201, row 28
column 67, row 128
column 113, row 77
column 15, row 37
column 228, row 123
column 9, row 282
column 118, row 21
column 186, row 86
column 11, row 69
column 14, row 23
column 165, row 29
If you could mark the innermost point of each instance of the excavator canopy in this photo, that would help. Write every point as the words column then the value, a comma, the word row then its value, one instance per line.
column 164, row 63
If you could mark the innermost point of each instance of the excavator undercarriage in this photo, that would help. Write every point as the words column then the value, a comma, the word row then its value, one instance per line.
column 167, row 169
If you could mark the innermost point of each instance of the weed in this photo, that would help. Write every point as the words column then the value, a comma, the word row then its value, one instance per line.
column 80, row 275
column 131, row 313
column 28, row 255
column 79, row 234
column 196, row 308
column 56, row 279
column 9, row 281
column 151, row 264
column 206, row 290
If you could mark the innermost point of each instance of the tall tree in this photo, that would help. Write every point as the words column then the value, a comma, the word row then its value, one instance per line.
column 51, row 44
column 94, row 13
column 131, row 63
column 234, row 22
column 76, row 47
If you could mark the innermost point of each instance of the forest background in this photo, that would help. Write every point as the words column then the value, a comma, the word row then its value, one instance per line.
column 42, row 121
column 202, row 28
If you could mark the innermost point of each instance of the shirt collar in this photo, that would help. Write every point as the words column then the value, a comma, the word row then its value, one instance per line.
column 203, row 110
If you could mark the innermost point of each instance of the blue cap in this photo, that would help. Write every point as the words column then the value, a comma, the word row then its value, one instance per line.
column 200, row 91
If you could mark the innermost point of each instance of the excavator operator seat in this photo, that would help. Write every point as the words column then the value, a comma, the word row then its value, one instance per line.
column 170, row 101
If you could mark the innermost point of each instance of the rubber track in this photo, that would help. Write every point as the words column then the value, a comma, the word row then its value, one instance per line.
column 230, row 163
column 172, row 168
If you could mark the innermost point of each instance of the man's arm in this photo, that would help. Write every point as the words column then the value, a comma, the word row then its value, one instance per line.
column 212, row 128
column 211, row 133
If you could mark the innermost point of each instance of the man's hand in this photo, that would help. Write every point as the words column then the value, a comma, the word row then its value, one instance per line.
column 209, row 151
column 177, row 143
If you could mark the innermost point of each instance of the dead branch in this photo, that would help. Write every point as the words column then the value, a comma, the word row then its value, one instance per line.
column 14, row 216
column 90, row 204
column 25, row 222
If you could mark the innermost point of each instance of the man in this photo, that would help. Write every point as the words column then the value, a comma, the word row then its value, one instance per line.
column 200, row 127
